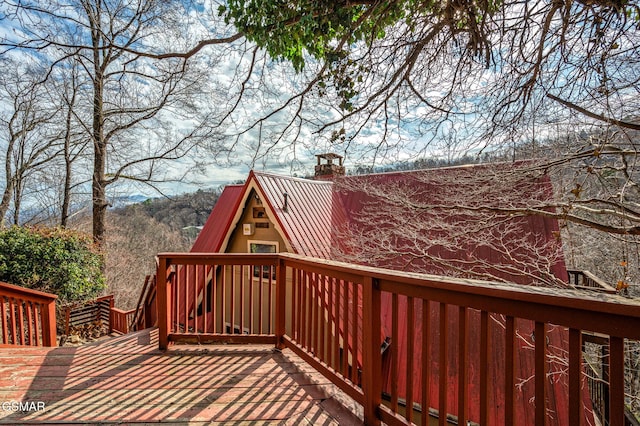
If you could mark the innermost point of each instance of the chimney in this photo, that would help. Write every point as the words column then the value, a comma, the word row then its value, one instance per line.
column 327, row 170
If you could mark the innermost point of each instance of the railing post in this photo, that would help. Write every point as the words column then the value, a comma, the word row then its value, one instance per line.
column 281, row 305
column 111, row 314
column 49, row 337
column 67, row 319
column 162, row 304
column 371, row 356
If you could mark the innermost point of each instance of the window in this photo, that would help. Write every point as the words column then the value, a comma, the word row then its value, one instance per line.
column 259, row 213
column 263, row 247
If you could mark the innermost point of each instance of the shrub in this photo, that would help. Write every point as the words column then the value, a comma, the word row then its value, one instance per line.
column 55, row 260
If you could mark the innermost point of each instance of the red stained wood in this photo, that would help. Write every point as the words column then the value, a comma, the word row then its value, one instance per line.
column 356, row 314
column 443, row 361
column 5, row 333
column 485, row 344
column 345, row 328
column 281, row 295
column 463, row 365
column 445, row 331
column 616, row 381
column 271, row 301
column 371, row 382
column 20, row 309
column 510, row 371
column 426, row 359
column 322, row 319
column 313, row 314
column 232, row 303
column 163, row 296
column 410, row 360
column 122, row 380
column 541, row 373
column 336, row 330
column 394, row 353
column 575, row 375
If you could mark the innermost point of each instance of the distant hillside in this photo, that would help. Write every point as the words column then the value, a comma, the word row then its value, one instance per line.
column 178, row 212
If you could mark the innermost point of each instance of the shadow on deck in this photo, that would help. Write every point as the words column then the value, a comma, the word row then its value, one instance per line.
column 128, row 380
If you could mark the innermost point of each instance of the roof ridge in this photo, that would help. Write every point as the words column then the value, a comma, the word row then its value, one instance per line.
column 517, row 163
column 298, row 179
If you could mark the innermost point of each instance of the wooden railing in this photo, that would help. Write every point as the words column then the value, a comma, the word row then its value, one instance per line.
column 503, row 347
column 585, row 280
column 597, row 371
column 28, row 317
column 145, row 313
column 90, row 312
column 121, row 321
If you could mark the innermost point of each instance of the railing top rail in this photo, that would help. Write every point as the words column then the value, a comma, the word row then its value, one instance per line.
column 597, row 280
column 220, row 258
column 558, row 297
column 17, row 291
column 121, row 311
column 606, row 313
column 517, row 292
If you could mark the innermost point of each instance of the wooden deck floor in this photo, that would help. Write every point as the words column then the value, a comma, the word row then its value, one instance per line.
column 128, row 380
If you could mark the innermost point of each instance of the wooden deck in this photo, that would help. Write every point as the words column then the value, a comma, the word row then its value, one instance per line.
column 127, row 380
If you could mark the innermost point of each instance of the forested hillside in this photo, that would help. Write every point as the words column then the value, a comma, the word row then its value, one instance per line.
column 177, row 212
column 137, row 232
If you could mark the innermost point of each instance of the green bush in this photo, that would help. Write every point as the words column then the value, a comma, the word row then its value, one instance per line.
column 55, row 260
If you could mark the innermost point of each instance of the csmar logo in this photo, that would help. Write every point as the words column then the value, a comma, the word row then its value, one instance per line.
column 23, row 406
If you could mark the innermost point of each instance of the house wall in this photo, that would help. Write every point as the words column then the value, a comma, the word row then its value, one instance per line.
column 239, row 243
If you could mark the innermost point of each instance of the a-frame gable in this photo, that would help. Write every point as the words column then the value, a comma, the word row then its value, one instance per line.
column 234, row 227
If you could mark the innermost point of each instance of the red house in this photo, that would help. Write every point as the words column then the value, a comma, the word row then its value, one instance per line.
column 484, row 222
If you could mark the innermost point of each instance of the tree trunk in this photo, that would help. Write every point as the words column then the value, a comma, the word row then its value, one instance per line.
column 17, row 198
column 99, row 143
column 8, row 190
column 66, row 194
column 6, row 199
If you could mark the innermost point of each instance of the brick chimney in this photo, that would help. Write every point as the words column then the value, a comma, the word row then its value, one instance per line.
column 327, row 169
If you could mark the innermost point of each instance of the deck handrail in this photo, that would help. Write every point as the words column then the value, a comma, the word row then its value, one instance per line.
column 88, row 312
column 28, row 316
column 344, row 344
column 121, row 320
column 142, row 303
column 586, row 280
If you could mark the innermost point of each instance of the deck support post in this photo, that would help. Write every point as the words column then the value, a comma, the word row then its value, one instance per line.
column 111, row 315
column 162, row 303
column 371, row 355
column 281, row 289
column 49, row 337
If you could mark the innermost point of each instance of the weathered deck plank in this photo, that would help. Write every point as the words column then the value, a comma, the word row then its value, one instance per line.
column 128, row 380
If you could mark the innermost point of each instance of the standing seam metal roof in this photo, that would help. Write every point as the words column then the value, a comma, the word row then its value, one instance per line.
column 212, row 234
column 307, row 218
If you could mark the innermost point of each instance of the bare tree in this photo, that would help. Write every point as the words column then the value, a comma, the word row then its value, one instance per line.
column 27, row 140
column 130, row 102
column 472, row 222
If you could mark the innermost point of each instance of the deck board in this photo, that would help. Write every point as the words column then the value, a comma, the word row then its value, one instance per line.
column 128, row 380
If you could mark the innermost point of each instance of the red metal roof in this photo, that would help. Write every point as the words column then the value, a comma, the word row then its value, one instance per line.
column 215, row 229
column 425, row 234
column 306, row 220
